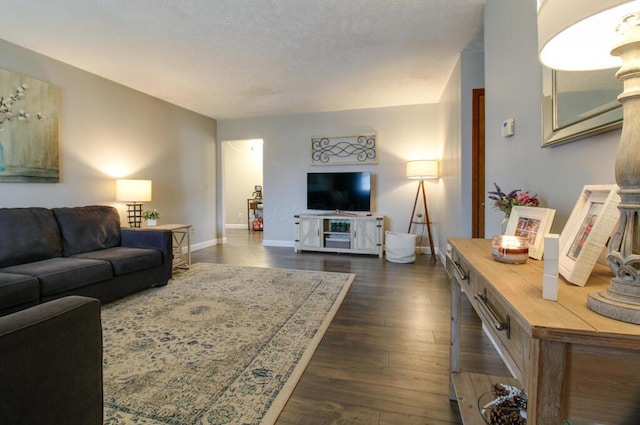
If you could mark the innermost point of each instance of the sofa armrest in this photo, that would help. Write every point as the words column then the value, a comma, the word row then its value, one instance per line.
column 151, row 238
column 51, row 369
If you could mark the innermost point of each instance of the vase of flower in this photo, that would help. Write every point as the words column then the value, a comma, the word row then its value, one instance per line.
column 506, row 201
column 505, row 221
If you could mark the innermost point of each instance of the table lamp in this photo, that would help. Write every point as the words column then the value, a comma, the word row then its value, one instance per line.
column 134, row 193
column 583, row 35
column 422, row 169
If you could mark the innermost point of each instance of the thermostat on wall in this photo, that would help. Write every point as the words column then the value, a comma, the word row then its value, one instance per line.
column 508, row 127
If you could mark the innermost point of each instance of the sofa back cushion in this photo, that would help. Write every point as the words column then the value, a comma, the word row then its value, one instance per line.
column 28, row 234
column 89, row 228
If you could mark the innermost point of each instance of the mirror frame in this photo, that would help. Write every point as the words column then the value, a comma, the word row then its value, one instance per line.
column 554, row 135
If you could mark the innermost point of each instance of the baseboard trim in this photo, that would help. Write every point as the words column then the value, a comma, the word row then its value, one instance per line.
column 236, row 226
column 284, row 244
column 203, row 245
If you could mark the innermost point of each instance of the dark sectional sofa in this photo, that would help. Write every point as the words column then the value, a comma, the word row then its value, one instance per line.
column 52, row 253
column 51, row 369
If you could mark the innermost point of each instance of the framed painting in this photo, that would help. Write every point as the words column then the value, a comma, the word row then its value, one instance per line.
column 28, row 129
column 587, row 231
column 533, row 223
column 339, row 150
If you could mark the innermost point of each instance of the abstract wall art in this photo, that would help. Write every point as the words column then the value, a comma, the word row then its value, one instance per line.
column 28, row 129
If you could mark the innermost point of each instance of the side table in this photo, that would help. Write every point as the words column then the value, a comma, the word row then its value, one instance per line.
column 181, row 234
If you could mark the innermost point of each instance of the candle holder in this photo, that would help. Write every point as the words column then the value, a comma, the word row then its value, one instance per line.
column 510, row 249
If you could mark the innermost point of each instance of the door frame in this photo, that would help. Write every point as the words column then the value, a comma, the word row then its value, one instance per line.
column 477, row 164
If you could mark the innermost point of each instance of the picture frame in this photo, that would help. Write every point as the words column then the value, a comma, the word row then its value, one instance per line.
column 29, row 151
column 533, row 223
column 587, row 232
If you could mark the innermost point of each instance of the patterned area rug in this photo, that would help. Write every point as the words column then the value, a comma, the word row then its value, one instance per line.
column 219, row 345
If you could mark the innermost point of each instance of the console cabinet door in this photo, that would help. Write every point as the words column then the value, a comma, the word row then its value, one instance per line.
column 309, row 233
column 366, row 235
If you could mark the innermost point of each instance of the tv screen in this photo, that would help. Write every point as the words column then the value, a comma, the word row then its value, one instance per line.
column 339, row 191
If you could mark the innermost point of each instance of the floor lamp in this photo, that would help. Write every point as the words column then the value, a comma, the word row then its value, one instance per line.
column 422, row 169
column 578, row 35
column 133, row 192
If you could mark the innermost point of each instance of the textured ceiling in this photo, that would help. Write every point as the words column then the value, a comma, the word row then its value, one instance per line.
column 245, row 58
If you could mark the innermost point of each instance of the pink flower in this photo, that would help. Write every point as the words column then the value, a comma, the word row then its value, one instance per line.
column 506, row 201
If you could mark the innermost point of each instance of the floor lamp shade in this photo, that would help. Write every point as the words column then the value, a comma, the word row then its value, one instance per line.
column 422, row 169
column 583, row 35
column 133, row 192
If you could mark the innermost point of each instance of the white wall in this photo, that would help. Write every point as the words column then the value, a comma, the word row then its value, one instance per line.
column 404, row 133
column 472, row 74
column 451, row 209
column 107, row 130
column 455, row 182
column 513, row 89
column 242, row 170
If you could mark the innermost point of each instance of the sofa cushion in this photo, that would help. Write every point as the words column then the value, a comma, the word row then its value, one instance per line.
column 28, row 234
column 16, row 290
column 88, row 228
column 61, row 274
column 126, row 260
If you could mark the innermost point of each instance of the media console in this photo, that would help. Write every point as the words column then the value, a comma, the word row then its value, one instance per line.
column 347, row 233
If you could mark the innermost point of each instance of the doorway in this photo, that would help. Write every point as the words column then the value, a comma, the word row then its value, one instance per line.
column 242, row 171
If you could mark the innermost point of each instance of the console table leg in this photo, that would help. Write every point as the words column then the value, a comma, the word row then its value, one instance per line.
column 545, row 379
column 456, row 295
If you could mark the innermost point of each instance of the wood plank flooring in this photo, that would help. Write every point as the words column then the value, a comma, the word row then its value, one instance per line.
column 385, row 358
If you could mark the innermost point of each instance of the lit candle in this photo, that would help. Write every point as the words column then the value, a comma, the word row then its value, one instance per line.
column 510, row 249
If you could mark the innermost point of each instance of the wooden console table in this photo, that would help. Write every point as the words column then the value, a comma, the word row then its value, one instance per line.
column 575, row 365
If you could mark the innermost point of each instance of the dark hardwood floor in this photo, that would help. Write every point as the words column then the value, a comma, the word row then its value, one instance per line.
column 385, row 358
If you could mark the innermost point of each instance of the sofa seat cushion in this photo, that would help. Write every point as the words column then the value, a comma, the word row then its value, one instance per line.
column 89, row 228
column 126, row 260
column 58, row 275
column 17, row 289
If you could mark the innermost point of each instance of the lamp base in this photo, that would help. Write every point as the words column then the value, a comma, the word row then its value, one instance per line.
column 134, row 214
column 621, row 301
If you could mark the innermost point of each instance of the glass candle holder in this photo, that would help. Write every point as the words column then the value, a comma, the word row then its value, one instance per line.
column 510, row 249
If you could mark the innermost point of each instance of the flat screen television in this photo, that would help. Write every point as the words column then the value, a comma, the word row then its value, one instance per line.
column 348, row 191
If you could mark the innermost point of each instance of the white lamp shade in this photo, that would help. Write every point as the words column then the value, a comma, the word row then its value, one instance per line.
column 575, row 35
column 422, row 169
column 133, row 190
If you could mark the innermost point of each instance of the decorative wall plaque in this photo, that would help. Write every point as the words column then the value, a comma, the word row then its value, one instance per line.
column 357, row 149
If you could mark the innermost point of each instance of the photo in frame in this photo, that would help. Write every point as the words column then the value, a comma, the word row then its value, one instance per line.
column 533, row 223
column 587, row 231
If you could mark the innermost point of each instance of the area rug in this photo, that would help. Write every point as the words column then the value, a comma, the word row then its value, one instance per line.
column 219, row 345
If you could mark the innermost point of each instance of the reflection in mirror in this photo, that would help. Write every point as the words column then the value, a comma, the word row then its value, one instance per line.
column 582, row 95
column 578, row 104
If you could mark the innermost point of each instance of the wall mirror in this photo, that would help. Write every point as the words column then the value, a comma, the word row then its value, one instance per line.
column 579, row 104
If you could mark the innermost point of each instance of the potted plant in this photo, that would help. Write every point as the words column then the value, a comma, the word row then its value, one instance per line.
column 151, row 216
